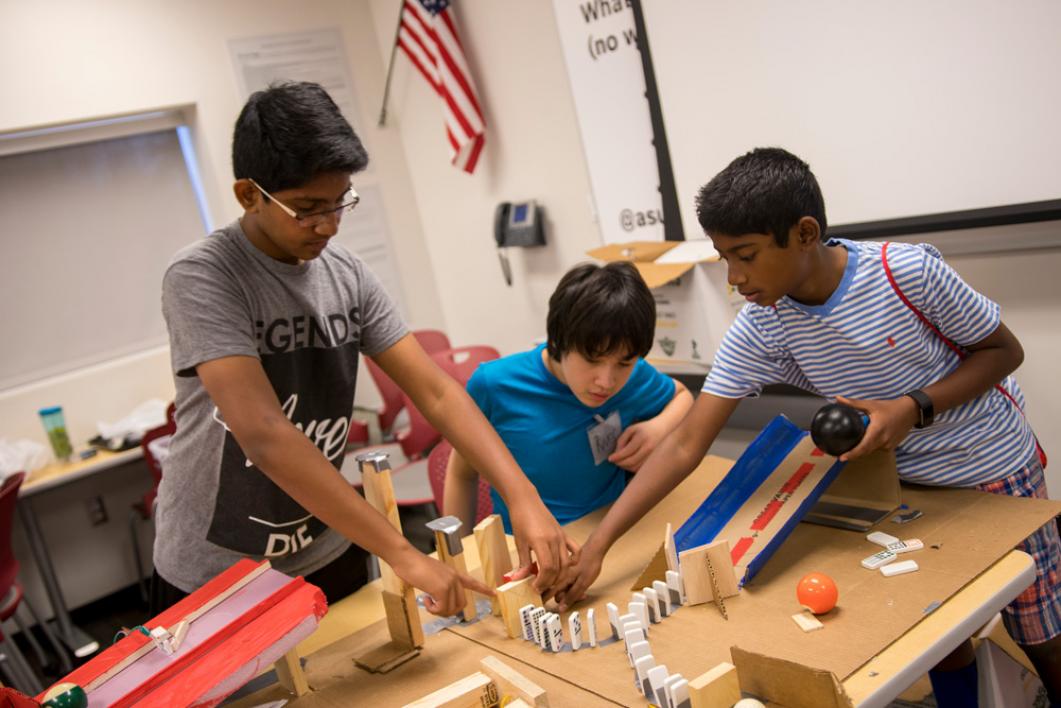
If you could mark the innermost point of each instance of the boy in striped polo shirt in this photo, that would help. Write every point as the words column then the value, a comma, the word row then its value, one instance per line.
column 823, row 315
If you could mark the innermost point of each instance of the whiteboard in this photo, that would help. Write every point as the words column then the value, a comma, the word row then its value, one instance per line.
column 902, row 108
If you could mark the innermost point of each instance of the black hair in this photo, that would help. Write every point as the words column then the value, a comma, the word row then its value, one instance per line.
column 598, row 310
column 291, row 132
column 766, row 191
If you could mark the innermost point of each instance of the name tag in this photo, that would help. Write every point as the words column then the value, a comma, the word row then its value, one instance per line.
column 604, row 435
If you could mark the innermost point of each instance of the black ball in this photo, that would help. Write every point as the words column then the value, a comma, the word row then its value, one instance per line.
column 837, row 428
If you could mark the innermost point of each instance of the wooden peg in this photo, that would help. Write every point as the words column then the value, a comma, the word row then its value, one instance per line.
column 450, row 549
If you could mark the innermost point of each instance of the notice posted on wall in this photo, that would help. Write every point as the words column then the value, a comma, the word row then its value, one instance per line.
column 603, row 61
column 317, row 56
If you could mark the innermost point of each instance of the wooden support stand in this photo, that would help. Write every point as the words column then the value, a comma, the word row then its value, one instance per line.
column 513, row 685
column 399, row 598
column 513, row 596
column 290, row 675
column 450, row 550
column 698, row 581
column 718, row 687
column 498, row 684
column 493, row 554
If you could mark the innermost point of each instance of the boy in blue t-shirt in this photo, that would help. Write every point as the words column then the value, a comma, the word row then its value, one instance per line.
column 583, row 410
column 824, row 315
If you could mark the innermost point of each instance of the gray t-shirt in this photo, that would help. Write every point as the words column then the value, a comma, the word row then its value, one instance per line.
column 306, row 323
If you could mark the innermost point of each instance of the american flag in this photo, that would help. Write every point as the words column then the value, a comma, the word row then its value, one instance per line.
column 428, row 36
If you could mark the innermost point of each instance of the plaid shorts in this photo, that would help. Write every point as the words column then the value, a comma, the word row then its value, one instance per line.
column 1035, row 616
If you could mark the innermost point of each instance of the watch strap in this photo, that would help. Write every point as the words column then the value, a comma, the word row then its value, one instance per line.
column 924, row 406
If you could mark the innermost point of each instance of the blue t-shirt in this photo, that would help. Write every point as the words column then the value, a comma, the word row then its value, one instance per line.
column 865, row 343
column 546, row 428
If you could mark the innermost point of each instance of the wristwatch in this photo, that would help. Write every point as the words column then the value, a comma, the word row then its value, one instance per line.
column 924, row 407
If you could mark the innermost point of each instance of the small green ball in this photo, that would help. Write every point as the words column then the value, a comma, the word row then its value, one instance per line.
column 65, row 695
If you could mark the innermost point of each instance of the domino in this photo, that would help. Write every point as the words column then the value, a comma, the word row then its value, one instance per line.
column 678, row 691
column 881, row 539
column 613, row 619
column 677, row 591
column 652, row 605
column 574, row 628
column 556, row 634
column 641, row 668
column 637, row 650
column 536, row 616
column 631, row 621
column 663, row 593
column 640, row 609
column 525, row 622
column 657, row 677
column 910, row 544
column 878, row 559
column 632, row 637
column 591, row 622
column 899, row 568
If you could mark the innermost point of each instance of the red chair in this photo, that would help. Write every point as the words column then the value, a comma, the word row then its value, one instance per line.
column 436, row 473
column 432, row 341
column 19, row 673
column 461, row 362
column 144, row 509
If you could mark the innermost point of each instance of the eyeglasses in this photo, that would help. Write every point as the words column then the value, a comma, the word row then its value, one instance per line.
column 313, row 218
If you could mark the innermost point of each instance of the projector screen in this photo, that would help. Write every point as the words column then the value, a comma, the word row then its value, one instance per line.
column 902, row 109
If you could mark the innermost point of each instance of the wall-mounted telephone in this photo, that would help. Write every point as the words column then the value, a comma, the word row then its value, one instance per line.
column 517, row 224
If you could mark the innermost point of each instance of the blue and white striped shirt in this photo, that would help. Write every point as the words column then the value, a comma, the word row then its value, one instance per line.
column 865, row 343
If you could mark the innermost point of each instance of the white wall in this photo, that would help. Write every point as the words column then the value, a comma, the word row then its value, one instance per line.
column 533, row 150
column 116, row 56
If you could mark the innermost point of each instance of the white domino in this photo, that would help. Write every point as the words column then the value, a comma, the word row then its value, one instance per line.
column 536, row 616
column 677, row 592
column 637, row 650
column 678, row 691
column 556, row 634
column 882, row 539
column 613, row 619
column 642, row 666
column 878, row 559
column 574, row 628
column 663, row 593
column 525, row 622
column 652, row 604
column 657, row 677
column 910, row 544
column 641, row 610
column 591, row 625
column 899, row 568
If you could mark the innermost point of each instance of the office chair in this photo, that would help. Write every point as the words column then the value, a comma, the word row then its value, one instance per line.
column 16, row 670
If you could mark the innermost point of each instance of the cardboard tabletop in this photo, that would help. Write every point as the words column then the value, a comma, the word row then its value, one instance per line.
column 964, row 532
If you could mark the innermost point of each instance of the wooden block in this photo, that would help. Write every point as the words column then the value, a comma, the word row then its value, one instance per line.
column 456, row 561
column 379, row 491
column 403, row 618
column 493, row 554
column 698, row 588
column 290, row 675
column 385, row 657
column 475, row 691
column 718, row 687
column 513, row 596
column 807, row 622
column 512, row 684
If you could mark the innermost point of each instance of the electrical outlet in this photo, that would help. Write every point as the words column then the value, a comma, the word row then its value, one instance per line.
column 97, row 511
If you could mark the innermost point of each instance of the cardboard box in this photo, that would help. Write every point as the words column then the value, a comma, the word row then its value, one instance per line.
column 1005, row 676
column 694, row 303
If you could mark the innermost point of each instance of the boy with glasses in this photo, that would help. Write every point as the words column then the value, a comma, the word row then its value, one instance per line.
column 266, row 322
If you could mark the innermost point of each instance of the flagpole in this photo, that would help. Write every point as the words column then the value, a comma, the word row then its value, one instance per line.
column 390, row 67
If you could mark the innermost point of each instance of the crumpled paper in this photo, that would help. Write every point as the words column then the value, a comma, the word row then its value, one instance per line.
column 22, row 456
column 149, row 414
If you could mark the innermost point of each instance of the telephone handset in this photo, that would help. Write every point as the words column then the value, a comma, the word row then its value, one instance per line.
column 517, row 224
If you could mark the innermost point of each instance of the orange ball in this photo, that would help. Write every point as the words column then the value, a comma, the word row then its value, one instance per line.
column 817, row 592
